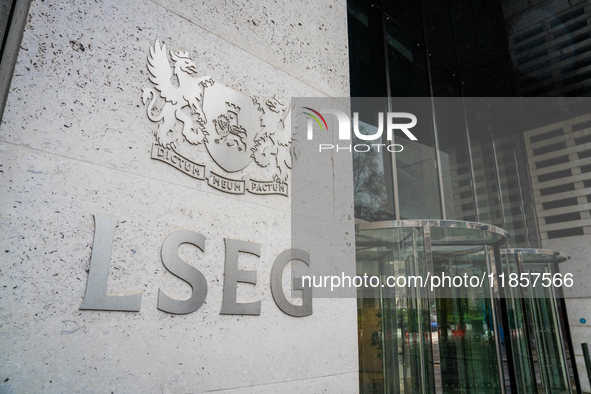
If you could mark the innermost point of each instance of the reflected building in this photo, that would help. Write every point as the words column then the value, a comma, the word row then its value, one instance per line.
column 494, row 151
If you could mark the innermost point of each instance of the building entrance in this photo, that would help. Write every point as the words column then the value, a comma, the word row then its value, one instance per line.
column 442, row 322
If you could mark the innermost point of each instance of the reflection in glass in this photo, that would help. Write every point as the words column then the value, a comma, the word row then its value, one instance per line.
column 458, row 187
column 467, row 343
column 511, row 193
column 417, row 200
column 394, row 351
column 526, row 193
column 541, row 307
column 407, row 67
column 414, row 341
column 366, row 50
column 372, row 170
column 485, row 176
column 522, row 357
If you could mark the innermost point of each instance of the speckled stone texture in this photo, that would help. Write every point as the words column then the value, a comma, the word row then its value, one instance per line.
column 75, row 142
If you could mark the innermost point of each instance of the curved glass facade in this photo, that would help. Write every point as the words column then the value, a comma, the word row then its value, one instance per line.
column 467, row 164
column 461, row 68
column 471, row 161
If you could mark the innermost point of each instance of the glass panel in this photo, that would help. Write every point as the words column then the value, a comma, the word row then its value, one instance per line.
column 511, row 197
column 563, row 320
column 406, row 58
column 485, row 177
column 440, row 37
column 393, row 322
column 526, row 191
column 542, row 309
column 417, row 200
column 366, row 50
column 456, row 170
column 5, row 7
column 522, row 357
column 481, row 48
column 372, row 171
column 531, row 44
column 467, row 343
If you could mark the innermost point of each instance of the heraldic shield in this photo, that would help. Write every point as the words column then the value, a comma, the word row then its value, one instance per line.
column 232, row 121
column 194, row 113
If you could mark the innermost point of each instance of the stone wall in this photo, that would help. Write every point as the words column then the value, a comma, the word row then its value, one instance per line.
column 75, row 142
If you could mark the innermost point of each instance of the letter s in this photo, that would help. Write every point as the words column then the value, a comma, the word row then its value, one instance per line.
column 186, row 272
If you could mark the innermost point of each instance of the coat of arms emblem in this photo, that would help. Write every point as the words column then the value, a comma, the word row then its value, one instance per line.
column 248, row 138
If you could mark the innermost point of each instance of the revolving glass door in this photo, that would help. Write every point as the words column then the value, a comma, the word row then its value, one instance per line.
column 542, row 354
column 419, row 334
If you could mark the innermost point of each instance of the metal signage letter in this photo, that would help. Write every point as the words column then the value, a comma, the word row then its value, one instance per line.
column 96, row 297
column 232, row 275
column 277, row 286
column 186, row 272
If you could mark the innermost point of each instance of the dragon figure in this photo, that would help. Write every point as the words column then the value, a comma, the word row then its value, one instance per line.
column 183, row 99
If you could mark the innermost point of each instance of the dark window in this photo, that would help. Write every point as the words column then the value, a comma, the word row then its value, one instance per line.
column 569, row 232
column 567, row 202
column 549, row 148
column 581, row 126
column 583, row 140
column 567, row 187
column 554, row 175
column 566, row 217
column 552, row 162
